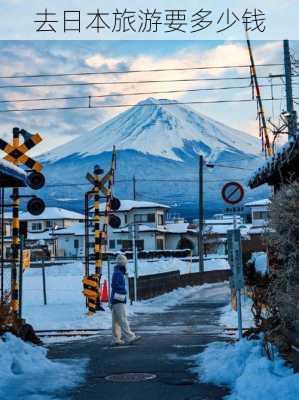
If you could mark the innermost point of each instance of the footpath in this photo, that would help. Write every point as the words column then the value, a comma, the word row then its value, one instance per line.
column 162, row 360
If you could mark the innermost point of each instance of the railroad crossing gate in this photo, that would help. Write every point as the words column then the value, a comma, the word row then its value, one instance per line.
column 102, row 189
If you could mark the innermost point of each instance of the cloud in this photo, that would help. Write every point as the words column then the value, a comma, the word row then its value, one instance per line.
column 76, row 56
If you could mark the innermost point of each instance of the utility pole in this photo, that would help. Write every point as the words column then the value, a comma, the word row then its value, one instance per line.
column 134, row 187
column 292, row 115
column 2, row 244
column 200, row 216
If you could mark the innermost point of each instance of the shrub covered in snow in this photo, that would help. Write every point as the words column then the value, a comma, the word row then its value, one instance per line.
column 283, row 299
column 26, row 372
column 250, row 375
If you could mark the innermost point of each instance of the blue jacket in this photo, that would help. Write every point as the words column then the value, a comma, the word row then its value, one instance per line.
column 118, row 285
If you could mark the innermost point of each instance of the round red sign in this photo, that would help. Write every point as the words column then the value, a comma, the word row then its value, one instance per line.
column 232, row 192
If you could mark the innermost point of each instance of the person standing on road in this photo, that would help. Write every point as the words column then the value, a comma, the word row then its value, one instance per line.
column 121, row 331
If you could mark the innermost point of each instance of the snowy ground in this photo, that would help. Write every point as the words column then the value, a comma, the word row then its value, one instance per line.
column 65, row 307
column 229, row 317
column 244, row 368
column 25, row 370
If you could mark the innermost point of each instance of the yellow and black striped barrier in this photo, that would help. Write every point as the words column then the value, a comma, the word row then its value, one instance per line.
column 91, row 292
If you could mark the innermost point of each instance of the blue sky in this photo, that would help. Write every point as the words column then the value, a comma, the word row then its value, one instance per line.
column 27, row 57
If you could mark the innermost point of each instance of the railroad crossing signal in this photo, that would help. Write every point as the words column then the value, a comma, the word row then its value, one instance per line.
column 102, row 188
column 15, row 153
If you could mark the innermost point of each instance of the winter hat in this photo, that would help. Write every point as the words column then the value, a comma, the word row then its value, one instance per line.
column 121, row 260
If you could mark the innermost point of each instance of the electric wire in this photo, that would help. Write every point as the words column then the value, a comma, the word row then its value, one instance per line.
column 173, row 103
column 86, row 97
column 195, row 68
column 64, row 84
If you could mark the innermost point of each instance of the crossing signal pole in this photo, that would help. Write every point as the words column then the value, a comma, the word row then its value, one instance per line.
column 15, row 153
column 102, row 189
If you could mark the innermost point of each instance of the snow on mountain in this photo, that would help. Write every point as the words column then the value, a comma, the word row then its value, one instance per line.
column 171, row 131
column 159, row 145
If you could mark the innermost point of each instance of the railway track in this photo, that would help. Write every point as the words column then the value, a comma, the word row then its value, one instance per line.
column 96, row 332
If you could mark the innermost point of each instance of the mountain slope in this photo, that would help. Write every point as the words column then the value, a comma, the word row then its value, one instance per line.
column 159, row 145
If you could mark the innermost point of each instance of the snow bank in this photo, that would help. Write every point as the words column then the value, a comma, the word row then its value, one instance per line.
column 173, row 264
column 250, row 375
column 27, row 373
column 260, row 261
column 229, row 317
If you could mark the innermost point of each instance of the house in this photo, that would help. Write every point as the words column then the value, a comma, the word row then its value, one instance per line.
column 52, row 218
column 259, row 213
column 41, row 228
column 70, row 241
column 149, row 219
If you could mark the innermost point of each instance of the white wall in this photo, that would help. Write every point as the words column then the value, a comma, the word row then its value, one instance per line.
column 259, row 221
column 66, row 245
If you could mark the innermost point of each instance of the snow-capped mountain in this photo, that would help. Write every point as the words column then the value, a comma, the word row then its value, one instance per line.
column 155, row 142
column 171, row 131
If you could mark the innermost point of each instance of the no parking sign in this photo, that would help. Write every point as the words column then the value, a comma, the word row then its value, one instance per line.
column 232, row 193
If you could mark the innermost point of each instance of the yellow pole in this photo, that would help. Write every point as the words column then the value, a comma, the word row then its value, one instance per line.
column 15, row 239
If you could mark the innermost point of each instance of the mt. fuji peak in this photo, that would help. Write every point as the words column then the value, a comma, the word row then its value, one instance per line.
column 158, row 142
column 161, row 128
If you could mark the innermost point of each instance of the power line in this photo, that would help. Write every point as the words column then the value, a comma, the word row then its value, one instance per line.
column 44, row 75
column 22, row 86
column 137, row 93
column 90, row 107
column 188, row 180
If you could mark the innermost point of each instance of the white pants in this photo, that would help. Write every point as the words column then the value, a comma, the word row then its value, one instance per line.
column 120, row 326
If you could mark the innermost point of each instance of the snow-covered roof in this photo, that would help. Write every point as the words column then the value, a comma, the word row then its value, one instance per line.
column 128, row 205
column 47, row 235
column 181, row 227
column 77, row 229
column 222, row 229
column 226, row 221
column 52, row 213
column 10, row 170
column 270, row 167
column 257, row 203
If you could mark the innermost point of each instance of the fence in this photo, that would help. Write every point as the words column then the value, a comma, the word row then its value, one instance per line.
column 150, row 286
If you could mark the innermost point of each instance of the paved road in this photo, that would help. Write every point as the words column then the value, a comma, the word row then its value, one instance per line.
column 170, row 339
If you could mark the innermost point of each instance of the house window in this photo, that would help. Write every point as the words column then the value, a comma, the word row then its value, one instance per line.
column 126, row 245
column 260, row 215
column 160, row 244
column 126, row 219
column 144, row 218
column 76, row 243
column 140, row 244
column 119, row 242
column 112, row 244
column 160, row 219
column 49, row 224
column 36, row 226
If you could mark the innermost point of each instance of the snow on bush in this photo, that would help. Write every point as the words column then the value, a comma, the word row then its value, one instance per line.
column 260, row 261
column 250, row 375
column 27, row 373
